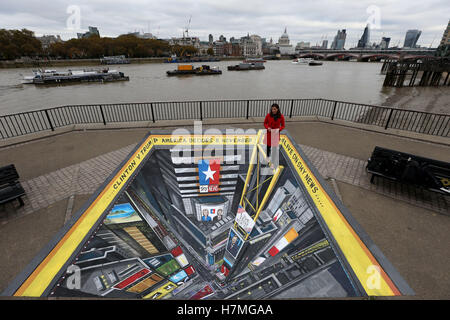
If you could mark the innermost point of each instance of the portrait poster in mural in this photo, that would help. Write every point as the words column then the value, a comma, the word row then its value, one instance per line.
column 211, row 212
column 235, row 243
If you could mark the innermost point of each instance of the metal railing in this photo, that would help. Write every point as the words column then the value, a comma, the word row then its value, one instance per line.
column 19, row 124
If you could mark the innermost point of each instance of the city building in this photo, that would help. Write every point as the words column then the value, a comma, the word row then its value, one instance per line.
column 365, row 38
column 446, row 36
column 186, row 41
column 324, row 44
column 258, row 41
column 339, row 40
column 385, row 43
column 283, row 44
column 248, row 46
column 48, row 40
column 302, row 45
column 204, row 46
column 219, row 48
column 210, row 39
column 93, row 31
column 235, row 49
column 411, row 38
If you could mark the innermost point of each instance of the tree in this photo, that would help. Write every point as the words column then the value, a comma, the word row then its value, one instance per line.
column 210, row 52
column 17, row 43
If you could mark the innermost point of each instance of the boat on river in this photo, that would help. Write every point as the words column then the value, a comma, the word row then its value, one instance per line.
column 189, row 69
column 302, row 61
column 254, row 60
column 74, row 76
column 247, row 66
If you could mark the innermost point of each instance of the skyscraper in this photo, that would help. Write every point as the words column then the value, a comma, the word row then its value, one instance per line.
column 339, row 40
column 365, row 38
column 446, row 37
column 411, row 38
column 325, row 44
column 210, row 39
column 385, row 42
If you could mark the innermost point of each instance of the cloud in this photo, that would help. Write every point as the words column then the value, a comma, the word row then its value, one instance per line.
column 310, row 20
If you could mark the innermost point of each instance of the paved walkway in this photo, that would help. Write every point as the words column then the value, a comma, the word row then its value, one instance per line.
column 85, row 177
column 79, row 179
column 352, row 171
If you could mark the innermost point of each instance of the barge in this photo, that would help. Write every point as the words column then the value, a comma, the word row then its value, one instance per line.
column 73, row 76
column 247, row 66
column 189, row 69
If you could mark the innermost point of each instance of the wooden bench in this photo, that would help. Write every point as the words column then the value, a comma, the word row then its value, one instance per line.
column 10, row 187
column 428, row 173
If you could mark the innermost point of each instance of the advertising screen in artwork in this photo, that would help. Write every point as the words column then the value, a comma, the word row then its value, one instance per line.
column 234, row 243
column 244, row 220
column 178, row 277
column 209, row 175
column 122, row 213
column 211, row 212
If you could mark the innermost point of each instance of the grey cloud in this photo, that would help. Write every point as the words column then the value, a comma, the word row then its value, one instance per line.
column 309, row 20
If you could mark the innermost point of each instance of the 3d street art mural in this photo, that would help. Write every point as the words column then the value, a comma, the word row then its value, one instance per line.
column 206, row 217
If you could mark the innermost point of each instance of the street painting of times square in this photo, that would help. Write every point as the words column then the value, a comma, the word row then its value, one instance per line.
column 210, row 217
column 220, row 154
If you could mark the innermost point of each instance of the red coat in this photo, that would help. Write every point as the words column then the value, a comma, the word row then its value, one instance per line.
column 271, row 123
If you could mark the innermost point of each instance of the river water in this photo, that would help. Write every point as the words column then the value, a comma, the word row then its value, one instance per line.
column 346, row 81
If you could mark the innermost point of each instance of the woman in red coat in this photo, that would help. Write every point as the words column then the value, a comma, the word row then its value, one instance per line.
column 273, row 122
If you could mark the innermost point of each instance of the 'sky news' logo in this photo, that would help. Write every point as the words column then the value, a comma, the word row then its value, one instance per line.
column 209, row 175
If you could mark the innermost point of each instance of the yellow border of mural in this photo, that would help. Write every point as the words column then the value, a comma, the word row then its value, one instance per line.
column 374, row 280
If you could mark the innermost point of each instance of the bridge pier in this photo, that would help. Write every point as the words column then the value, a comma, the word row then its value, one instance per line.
column 430, row 72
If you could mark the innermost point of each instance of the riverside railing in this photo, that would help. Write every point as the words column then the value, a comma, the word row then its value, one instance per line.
column 19, row 124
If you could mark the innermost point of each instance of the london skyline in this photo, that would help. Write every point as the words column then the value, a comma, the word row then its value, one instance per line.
column 309, row 21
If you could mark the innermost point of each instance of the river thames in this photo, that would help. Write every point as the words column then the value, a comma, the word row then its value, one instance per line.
column 357, row 82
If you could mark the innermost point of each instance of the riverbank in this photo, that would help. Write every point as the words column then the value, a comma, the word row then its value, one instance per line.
column 84, row 62
column 427, row 99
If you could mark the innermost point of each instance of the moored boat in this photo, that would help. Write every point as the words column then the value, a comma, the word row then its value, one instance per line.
column 57, row 77
column 315, row 63
column 254, row 60
column 302, row 60
column 247, row 66
column 189, row 69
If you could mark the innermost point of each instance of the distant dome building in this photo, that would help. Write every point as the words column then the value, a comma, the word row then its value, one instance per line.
column 284, row 39
column 283, row 44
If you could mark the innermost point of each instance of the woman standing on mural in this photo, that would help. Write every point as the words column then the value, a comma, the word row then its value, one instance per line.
column 274, row 123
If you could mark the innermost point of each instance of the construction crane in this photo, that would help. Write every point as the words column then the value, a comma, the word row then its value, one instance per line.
column 434, row 38
column 187, row 28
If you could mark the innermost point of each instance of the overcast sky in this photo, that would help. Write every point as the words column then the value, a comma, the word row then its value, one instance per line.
column 310, row 21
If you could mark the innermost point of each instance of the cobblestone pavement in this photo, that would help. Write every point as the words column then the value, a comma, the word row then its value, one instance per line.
column 79, row 179
column 353, row 171
column 85, row 177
